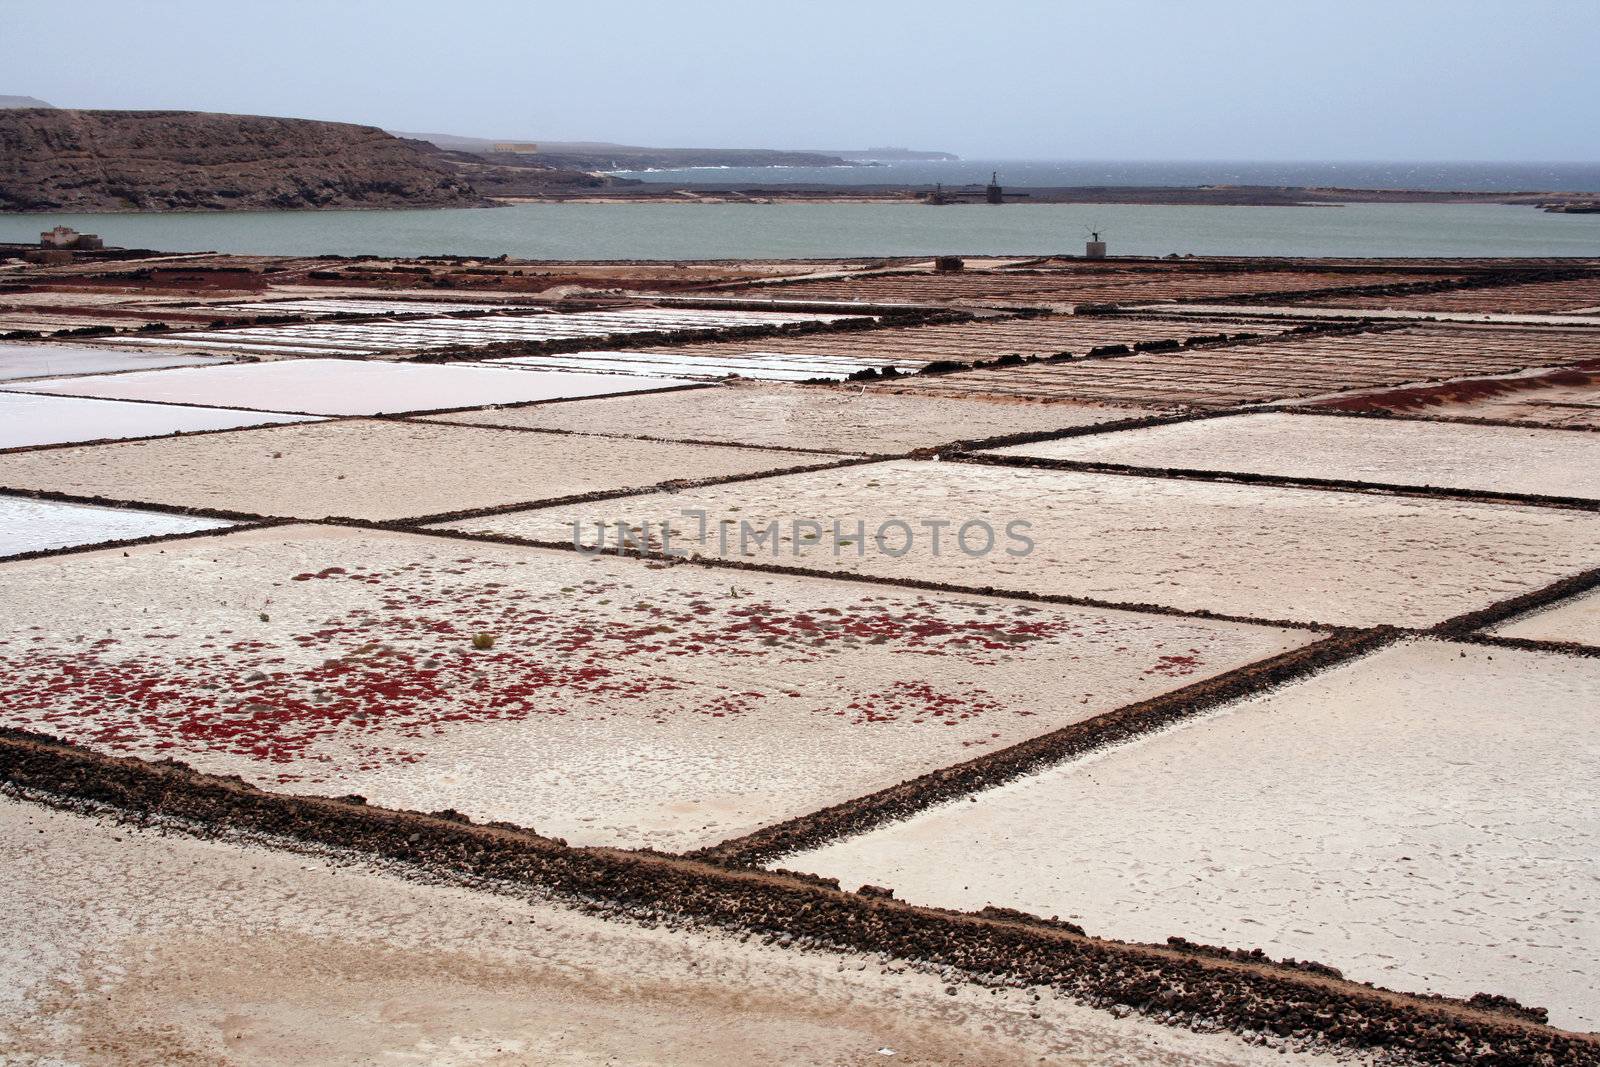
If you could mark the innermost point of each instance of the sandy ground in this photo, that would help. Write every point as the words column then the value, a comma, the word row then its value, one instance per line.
column 1258, row 551
column 146, row 949
column 374, row 470
column 1576, row 620
column 47, row 420
column 346, row 387
column 36, row 525
column 1421, row 819
column 47, row 360
column 622, row 703
column 1494, row 458
column 844, row 420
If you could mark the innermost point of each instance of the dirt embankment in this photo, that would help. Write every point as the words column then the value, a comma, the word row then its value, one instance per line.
column 189, row 160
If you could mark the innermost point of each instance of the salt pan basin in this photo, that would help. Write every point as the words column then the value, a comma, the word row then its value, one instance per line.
column 375, row 469
column 18, row 362
column 840, row 420
column 132, row 933
column 347, row 386
column 621, row 702
column 1575, row 620
column 1265, row 552
column 1500, row 459
column 1423, row 818
column 27, row 420
column 39, row 525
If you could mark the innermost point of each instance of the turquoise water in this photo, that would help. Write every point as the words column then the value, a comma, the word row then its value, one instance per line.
column 742, row 231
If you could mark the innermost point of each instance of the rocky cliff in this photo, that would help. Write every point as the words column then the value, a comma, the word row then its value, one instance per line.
column 196, row 161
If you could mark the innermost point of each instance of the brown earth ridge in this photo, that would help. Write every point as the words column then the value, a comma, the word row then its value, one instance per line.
column 194, row 161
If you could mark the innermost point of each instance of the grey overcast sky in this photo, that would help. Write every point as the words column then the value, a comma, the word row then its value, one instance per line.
column 1086, row 79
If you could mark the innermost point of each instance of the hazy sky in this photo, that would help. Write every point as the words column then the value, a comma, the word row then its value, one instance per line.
column 1130, row 79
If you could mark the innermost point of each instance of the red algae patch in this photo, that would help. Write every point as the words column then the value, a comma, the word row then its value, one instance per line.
column 619, row 702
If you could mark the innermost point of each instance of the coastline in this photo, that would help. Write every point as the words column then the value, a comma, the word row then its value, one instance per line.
column 917, row 195
column 1187, row 196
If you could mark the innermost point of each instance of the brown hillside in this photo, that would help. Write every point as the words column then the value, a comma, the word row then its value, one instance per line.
column 197, row 161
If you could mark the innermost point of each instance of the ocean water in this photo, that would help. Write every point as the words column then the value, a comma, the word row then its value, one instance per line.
column 1459, row 177
column 685, row 231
